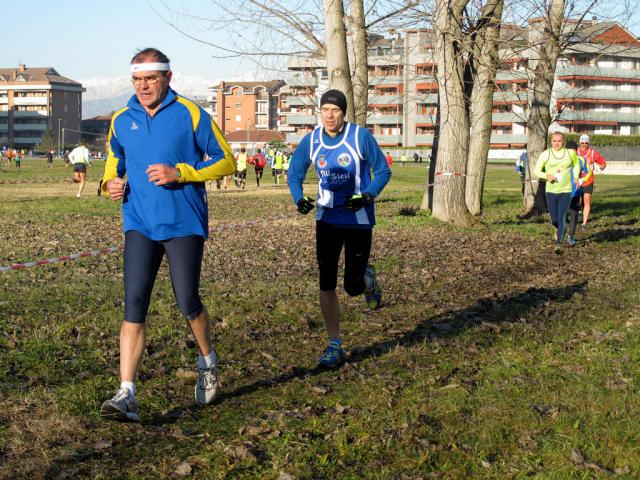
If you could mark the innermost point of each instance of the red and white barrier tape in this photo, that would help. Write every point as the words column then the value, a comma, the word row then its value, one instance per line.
column 458, row 174
column 64, row 258
column 104, row 251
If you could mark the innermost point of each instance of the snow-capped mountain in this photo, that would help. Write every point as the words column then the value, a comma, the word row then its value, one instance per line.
column 104, row 95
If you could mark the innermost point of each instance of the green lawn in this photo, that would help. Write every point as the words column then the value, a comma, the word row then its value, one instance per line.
column 492, row 357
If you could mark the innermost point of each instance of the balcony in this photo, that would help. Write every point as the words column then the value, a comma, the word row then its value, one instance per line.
column 36, row 113
column 297, row 119
column 604, row 73
column 384, row 120
column 595, row 94
column 508, row 138
column 388, row 139
column 4, row 99
column 302, row 81
column 509, row 96
column 428, row 98
column 4, row 113
column 395, row 99
column 426, row 118
column 386, row 80
column 294, row 101
column 599, row 116
column 22, row 127
column 425, row 78
column 31, row 101
column 23, row 140
column 4, row 128
column 508, row 117
column 511, row 76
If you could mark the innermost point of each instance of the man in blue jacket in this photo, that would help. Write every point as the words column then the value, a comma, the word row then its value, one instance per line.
column 167, row 147
column 343, row 155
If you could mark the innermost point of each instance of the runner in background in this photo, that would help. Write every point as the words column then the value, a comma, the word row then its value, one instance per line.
column 277, row 166
column 521, row 168
column 258, row 161
column 576, row 198
column 79, row 159
column 594, row 161
column 560, row 167
column 286, row 158
column 241, row 169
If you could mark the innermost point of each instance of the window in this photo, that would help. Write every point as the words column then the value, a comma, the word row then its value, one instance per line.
column 237, row 105
column 238, row 118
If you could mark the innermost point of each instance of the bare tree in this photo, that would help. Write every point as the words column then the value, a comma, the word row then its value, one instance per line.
column 270, row 32
column 467, row 59
column 453, row 145
column 481, row 73
column 360, row 61
column 336, row 52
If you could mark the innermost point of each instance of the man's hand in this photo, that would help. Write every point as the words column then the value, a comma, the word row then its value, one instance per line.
column 551, row 178
column 115, row 188
column 356, row 202
column 162, row 174
column 305, row 205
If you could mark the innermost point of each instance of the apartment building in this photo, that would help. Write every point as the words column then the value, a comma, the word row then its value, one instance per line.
column 33, row 100
column 246, row 105
column 595, row 90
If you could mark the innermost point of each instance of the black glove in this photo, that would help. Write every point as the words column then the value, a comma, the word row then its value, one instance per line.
column 305, row 205
column 356, row 202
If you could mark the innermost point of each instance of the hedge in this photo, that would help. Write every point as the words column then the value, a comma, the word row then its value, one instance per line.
column 597, row 140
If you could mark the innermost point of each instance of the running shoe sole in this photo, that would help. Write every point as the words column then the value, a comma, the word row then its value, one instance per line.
column 111, row 412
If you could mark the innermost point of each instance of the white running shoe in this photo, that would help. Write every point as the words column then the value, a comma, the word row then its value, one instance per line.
column 206, row 389
column 123, row 407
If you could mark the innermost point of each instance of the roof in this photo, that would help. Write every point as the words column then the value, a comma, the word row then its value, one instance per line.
column 47, row 75
column 99, row 118
column 254, row 136
column 248, row 87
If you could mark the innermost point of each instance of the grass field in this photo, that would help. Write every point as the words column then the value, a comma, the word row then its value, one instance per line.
column 492, row 357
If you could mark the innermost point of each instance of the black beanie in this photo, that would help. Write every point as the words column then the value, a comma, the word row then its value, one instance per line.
column 334, row 97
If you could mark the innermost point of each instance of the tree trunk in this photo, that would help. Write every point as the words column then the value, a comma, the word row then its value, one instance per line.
column 337, row 55
column 427, row 198
column 484, row 64
column 448, row 194
column 361, row 62
column 546, row 50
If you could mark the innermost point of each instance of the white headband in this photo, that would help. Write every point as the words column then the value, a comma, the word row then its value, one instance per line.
column 145, row 67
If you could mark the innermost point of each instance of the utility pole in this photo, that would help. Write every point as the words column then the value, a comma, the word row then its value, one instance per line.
column 59, row 133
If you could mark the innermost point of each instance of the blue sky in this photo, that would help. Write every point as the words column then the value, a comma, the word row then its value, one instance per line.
column 85, row 39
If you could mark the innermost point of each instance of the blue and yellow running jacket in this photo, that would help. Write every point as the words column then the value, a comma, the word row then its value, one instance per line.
column 181, row 135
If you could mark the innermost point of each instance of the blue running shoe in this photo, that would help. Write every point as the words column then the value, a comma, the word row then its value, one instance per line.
column 571, row 241
column 373, row 296
column 333, row 356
